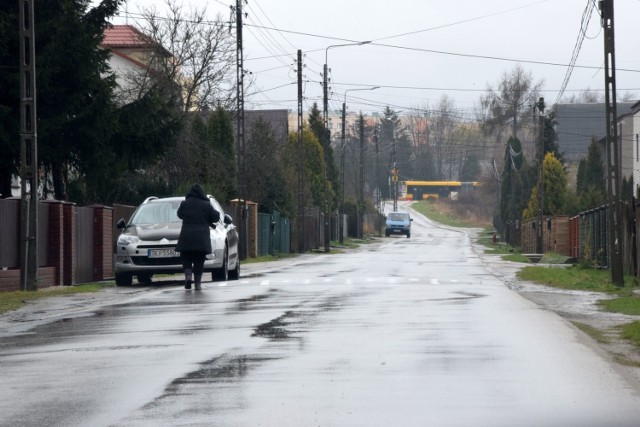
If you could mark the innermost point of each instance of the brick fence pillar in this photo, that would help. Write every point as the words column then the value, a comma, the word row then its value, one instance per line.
column 56, row 240
column 102, row 242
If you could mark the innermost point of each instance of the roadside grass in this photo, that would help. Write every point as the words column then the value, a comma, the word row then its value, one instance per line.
column 631, row 331
column 436, row 212
column 10, row 301
column 267, row 258
column 571, row 278
column 339, row 248
column 507, row 252
column 594, row 333
column 626, row 304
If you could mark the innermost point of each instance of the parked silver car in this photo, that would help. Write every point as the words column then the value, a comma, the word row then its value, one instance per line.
column 146, row 245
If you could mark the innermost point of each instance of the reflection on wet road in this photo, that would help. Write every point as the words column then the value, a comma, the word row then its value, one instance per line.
column 406, row 332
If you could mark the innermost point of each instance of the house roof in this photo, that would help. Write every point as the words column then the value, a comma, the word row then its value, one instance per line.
column 125, row 36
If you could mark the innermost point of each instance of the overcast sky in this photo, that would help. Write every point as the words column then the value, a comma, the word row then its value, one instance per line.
column 453, row 47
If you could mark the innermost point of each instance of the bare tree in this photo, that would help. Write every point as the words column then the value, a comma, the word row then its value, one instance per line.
column 193, row 53
column 507, row 108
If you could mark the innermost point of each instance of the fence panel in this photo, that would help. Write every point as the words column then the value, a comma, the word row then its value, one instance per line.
column 284, row 234
column 84, row 245
column 264, row 234
column 9, row 233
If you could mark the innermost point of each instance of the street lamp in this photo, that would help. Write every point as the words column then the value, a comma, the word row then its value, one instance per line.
column 327, row 136
column 342, row 146
column 325, row 90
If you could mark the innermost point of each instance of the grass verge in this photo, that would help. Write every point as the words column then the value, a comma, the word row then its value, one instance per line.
column 631, row 331
column 627, row 304
column 436, row 212
column 10, row 301
column 574, row 277
column 594, row 333
column 267, row 258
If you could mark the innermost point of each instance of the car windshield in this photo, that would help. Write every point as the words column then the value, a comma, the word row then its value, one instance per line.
column 157, row 213
column 398, row 216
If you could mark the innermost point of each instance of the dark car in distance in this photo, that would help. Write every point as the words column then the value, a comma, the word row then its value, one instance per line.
column 398, row 223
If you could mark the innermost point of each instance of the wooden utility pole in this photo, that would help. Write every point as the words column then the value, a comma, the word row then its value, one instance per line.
column 342, row 137
column 614, row 210
column 240, row 145
column 361, row 182
column 540, row 107
column 301, row 204
column 28, row 149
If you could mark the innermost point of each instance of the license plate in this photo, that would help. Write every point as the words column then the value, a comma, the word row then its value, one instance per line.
column 162, row 253
column 397, row 230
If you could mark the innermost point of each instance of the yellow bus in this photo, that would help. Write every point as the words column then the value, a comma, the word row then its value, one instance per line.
column 424, row 190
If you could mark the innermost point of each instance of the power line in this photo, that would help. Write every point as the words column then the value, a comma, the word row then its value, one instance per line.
column 584, row 23
column 461, row 22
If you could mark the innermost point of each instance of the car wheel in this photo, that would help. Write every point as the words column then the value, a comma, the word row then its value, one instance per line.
column 222, row 274
column 235, row 273
column 408, row 235
column 124, row 279
column 144, row 279
column 386, row 234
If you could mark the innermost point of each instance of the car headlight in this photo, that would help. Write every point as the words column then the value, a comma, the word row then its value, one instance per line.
column 126, row 240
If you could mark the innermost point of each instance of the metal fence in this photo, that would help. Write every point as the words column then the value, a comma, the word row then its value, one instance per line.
column 274, row 234
column 592, row 230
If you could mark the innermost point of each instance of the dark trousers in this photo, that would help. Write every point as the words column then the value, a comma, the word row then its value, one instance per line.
column 193, row 261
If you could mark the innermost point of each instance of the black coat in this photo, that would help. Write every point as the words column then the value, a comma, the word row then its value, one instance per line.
column 197, row 216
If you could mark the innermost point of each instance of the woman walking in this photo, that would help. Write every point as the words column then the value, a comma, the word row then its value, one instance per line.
column 194, row 242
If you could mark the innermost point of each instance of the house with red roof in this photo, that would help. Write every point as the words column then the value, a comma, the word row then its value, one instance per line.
column 132, row 56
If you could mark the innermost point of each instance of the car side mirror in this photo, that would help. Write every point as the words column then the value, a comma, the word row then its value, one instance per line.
column 411, row 219
column 227, row 219
column 121, row 224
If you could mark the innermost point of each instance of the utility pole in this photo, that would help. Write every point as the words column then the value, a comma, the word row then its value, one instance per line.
column 376, row 138
column 327, row 142
column 240, row 146
column 28, row 149
column 300, row 221
column 540, row 107
column 361, row 182
column 342, row 137
column 395, row 176
column 614, row 211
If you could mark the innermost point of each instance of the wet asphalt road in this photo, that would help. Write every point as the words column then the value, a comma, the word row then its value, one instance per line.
column 407, row 332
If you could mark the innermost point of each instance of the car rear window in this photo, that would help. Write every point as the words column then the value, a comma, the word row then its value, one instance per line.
column 157, row 213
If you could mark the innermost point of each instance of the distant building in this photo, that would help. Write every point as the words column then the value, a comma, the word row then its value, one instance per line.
column 631, row 138
column 578, row 124
column 132, row 58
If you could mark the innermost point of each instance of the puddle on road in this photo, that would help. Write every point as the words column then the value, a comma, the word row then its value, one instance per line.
column 218, row 369
column 276, row 329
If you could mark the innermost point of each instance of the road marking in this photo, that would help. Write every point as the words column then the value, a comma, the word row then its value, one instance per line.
column 349, row 282
column 434, row 281
column 222, row 284
column 413, row 279
column 264, row 283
